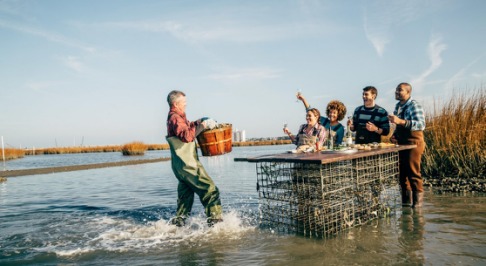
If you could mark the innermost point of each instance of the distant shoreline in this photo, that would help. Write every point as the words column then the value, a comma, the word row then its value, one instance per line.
column 50, row 170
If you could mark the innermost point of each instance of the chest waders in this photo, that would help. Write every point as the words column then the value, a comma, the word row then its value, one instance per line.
column 411, row 181
column 193, row 178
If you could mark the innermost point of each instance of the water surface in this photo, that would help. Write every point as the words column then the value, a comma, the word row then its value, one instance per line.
column 119, row 215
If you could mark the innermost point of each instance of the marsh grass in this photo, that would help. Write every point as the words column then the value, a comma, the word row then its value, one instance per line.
column 134, row 148
column 11, row 154
column 76, row 149
column 119, row 148
column 455, row 136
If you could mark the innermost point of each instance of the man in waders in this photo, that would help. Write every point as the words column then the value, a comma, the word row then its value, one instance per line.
column 410, row 120
column 181, row 135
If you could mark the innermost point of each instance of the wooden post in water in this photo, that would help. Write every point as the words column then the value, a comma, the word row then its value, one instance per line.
column 3, row 156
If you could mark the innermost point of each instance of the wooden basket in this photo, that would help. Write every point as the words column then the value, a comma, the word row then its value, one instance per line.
column 216, row 141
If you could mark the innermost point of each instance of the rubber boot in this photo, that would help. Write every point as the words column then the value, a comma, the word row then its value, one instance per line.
column 418, row 199
column 406, row 198
column 178, row 221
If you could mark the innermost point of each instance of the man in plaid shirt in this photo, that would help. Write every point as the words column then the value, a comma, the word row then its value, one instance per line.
column 410, row 121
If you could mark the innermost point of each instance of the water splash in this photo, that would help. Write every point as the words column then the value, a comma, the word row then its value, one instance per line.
column 123, row 235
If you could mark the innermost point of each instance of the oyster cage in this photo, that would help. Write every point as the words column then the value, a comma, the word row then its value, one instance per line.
column 321, row 200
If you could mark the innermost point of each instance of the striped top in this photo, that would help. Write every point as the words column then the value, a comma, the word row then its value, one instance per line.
column 413, row 114
column 376, row 115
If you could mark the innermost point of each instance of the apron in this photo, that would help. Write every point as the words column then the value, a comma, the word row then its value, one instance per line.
column 307, row 140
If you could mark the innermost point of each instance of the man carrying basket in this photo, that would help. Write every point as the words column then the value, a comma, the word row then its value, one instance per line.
column 193, row 178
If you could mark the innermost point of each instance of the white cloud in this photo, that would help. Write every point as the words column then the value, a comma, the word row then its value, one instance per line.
column 74, row 63
column 435, row 49
column 479, row 75
column 227, row 30
column 50, row 36
column 377, row 37
column 381, row 17
column 39, row 86
column 461, row 74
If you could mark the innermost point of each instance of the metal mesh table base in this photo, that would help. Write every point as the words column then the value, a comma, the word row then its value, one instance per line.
column 320, row 200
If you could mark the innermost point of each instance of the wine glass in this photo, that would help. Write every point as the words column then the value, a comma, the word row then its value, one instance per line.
column 299, row 92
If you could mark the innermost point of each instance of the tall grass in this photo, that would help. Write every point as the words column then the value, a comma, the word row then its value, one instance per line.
column 89, row 149
column 12, row 154
column 134, row 148
column 76, row 149
column 456, row 137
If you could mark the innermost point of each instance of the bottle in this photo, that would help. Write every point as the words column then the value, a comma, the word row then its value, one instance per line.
column 349, row 136
column 331, row 141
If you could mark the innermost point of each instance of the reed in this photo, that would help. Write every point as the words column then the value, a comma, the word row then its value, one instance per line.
column 11, row 154
column 456, row 137
column 119, row 148
column 156, row 147
column 76, row 149
column 134, row 148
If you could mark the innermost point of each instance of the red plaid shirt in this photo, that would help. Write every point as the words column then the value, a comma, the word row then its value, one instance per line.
column 179, row 126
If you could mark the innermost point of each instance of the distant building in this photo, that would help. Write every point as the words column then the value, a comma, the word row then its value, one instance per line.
column 239, row 135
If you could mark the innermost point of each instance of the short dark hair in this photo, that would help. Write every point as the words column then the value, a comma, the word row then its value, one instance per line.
column 405, row 84
column 372, row 89
column 174, row 96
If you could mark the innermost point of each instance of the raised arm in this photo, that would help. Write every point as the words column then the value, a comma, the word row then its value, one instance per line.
column 301, row 97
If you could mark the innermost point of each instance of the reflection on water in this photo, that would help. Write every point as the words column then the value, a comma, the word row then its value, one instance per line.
column 412, row 236
column 120, row 215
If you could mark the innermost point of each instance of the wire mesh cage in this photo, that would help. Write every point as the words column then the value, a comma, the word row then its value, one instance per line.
column 320, row 200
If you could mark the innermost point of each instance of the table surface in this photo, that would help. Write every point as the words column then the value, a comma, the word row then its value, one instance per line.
column 324, row 157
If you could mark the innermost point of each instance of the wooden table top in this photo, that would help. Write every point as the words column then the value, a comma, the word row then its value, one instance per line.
column 323, row 157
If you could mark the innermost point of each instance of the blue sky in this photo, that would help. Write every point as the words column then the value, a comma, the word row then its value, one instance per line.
column 98, row 72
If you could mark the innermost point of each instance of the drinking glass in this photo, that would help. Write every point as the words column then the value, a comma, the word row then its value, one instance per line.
column 299, row 92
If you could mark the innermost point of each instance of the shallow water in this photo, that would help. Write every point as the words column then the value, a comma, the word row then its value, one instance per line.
column 119, row 215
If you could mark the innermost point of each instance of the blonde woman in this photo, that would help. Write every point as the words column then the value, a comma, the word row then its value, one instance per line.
column 311, row 136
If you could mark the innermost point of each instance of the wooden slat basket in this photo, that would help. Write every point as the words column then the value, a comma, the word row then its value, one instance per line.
column 216, row 141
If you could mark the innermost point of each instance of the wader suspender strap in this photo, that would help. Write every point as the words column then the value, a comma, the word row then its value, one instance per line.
column 315, row 131
column 401, row 115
